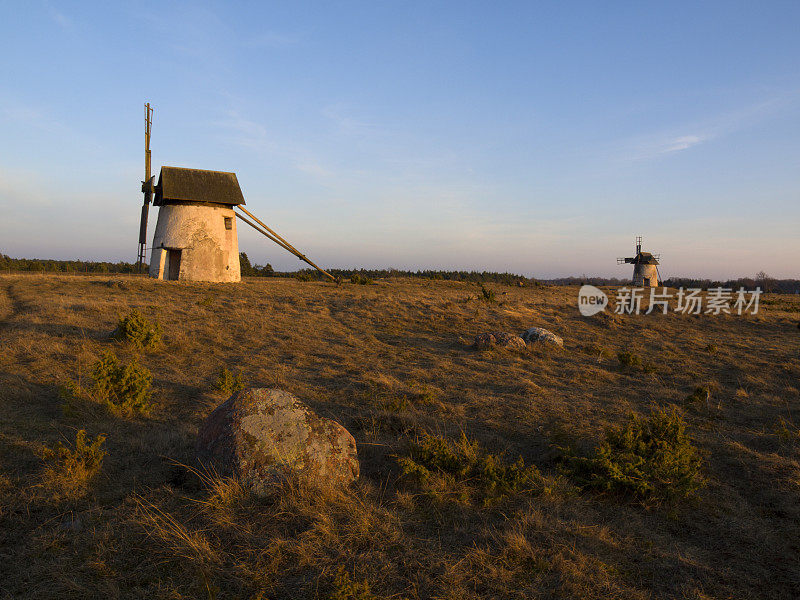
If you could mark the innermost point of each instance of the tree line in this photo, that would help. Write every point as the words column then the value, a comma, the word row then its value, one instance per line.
column 39, row 265
column 762, row 279
column 250, row 270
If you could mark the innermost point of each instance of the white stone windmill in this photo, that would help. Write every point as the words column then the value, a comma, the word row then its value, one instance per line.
column 195, row 237
column 645, row 266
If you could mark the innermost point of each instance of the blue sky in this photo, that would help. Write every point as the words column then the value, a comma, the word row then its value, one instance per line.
column 537, row 138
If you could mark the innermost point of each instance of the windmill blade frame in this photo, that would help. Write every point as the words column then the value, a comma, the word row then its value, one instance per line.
column 147, row 188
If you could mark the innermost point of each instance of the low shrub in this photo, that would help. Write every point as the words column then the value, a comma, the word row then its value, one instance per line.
column 652, row 459
column 396, row 403
column 344, row 588
column 628, row 361
column 136, row 329
column 415, row 397
column 422, row 395
column 123, row 388
column 72, row 469
column 464, row 468
column 598, row 350
column 360, row 279
column 228, row 383
column 787, row 432
column 488, row 295
column 700, row 394
column 72, row 395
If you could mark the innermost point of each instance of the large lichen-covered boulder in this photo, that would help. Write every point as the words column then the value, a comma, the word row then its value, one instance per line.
column 536, row 335
column 264, row 435
column 500, row 339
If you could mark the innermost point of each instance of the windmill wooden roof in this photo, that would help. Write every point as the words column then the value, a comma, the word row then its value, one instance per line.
column 176, row 184
column 645, row 258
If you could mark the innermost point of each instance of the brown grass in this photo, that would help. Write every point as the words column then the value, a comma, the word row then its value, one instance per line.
column 391, row 362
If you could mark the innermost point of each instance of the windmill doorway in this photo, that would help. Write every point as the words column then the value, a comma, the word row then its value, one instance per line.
column 174, row 264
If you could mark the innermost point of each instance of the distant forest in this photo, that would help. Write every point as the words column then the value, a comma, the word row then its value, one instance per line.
column 249, row 270
column 36, row 265
column 64, row 266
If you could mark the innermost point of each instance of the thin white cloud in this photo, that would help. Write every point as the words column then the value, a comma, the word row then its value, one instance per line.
column 691, row 135
column 251, row 135
column 245, row 132
column 30, row 116
column 200, row 36
column 683, row 142
column 60, row 19
column 315, row 169
column 344, row 123
column 23, row 114
column 657, row 145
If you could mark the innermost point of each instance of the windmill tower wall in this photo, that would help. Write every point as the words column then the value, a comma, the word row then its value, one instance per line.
column 195, row 242
column 645, row 275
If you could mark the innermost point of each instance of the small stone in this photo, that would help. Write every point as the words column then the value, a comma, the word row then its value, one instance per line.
column 500, row 339
column 536, row 335
column 509, row 341
column 264, row 435
column 484, row 341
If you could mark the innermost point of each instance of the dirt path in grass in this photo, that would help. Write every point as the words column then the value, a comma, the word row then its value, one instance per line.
column 10, row 303
column 6, row 302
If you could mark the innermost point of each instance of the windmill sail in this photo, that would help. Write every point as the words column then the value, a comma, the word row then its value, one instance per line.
column 147, row 187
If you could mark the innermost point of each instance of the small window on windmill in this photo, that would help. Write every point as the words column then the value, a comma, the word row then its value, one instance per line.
column 228, row 222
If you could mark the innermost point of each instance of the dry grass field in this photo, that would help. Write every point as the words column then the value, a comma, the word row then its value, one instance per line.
column 392, row 362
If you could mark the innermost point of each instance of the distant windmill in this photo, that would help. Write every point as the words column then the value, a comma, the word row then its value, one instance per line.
column 645, row 266
column 195, row 237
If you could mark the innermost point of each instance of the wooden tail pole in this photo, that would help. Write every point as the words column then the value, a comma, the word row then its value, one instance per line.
column 280, row 241
column 264, row 233
column 287, row 245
